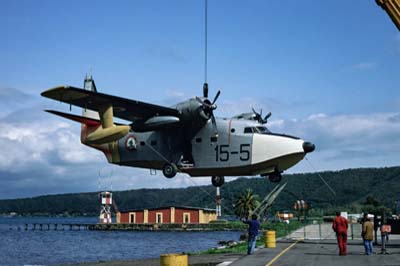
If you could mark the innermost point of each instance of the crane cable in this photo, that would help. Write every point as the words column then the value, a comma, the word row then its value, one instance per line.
column 205, row 39
column 320, row 176
column 224, row 208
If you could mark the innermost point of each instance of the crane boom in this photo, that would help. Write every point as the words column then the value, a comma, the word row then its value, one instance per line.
column 392, row 7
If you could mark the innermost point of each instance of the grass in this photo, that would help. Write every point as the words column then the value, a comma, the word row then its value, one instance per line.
column 281, row 229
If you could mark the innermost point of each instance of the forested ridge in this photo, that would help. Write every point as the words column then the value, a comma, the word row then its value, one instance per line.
column 351, row 187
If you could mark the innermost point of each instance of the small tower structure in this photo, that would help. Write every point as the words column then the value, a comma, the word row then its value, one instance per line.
column 218, row 203
column 105, row 207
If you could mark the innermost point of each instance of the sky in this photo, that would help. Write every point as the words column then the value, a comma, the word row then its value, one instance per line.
column 327, row 70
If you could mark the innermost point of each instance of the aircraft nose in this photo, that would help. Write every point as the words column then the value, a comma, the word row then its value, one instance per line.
column 308, row 147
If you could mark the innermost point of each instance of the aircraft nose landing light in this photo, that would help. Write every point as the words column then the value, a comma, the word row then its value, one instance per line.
column 308, row 147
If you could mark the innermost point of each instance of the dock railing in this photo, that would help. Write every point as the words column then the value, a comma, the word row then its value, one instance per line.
column 323, row 231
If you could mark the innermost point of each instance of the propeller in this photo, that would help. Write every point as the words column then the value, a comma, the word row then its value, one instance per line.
column 205, row 90
column 209, row 107
column 259, row 118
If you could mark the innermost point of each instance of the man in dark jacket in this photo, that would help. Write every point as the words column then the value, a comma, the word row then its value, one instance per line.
column 254, row 225
column 340, row 226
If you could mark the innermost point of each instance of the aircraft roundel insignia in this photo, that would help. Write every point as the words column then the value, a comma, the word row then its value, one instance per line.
column 130, row 143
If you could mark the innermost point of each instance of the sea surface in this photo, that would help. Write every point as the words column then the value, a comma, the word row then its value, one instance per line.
column 36, row 247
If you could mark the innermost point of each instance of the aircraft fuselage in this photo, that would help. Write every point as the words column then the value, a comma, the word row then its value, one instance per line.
column 236, row 151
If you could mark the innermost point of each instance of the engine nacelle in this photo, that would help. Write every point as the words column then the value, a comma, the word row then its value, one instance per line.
column 194, row 111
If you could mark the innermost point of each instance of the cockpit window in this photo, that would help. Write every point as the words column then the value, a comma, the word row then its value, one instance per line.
column 257, row 130
column 248, row 130
column 263, row 130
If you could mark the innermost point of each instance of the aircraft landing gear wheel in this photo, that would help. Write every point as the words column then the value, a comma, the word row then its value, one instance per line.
column 169, row 170
column 275, row 177
column 217, row 181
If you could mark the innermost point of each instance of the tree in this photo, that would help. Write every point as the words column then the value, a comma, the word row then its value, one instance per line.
column 372, row 201
column 245, row 204
column 372, row 205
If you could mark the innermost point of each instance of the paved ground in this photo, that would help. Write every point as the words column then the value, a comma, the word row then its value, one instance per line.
column 317, row 253
column 287, row 253
column 194, row 260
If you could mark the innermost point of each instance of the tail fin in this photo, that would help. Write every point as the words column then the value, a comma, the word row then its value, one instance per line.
column 87, row 129
column 97, row 128
column 90, row 86
column 104, row 135
column 107, row 132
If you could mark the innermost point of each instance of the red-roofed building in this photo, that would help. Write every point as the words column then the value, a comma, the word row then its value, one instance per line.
column 168, row 215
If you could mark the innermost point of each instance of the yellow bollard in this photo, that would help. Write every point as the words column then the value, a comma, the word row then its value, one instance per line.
column 270, row 240
column 173, row 260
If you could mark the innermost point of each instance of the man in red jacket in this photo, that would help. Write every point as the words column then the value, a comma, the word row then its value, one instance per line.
column 340, row 226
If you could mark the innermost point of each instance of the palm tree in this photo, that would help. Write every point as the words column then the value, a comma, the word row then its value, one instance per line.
column 245, row 204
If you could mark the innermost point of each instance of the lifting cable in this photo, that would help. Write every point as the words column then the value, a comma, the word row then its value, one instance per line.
column 320, row 176
column 205, row 40
column 158, row 153
column 223, row 207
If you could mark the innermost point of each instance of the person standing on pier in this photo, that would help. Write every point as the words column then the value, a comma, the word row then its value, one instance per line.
column 367, row 234
column 254, row 225
column 340, row 226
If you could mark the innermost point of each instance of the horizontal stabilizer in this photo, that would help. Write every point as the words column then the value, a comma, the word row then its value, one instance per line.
column 106, row 135
column 80, row 119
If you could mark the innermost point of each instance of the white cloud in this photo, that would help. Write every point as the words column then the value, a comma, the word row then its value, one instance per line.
column 174, row 96
column 348, row 141
column 41, row 143
column 317, row 116
column 229, row 108
column 363, row 66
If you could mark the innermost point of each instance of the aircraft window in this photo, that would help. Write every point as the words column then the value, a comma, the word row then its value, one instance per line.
column 198, row 140
column 142, row 143
column 232, row 130
column 213, row 139
column 153, row 142
column 248, row 130
column 258, row 130
column 263, row 130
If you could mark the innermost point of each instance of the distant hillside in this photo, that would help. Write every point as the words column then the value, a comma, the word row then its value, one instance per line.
column 352, row 187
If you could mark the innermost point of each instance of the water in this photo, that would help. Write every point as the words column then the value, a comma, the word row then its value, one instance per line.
column 20, row 247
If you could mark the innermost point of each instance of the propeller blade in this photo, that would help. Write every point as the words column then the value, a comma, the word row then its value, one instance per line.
column 209, row 107
column 259, row 118
column 205, row 90
column 214, row 124
column 267, row 116
column 216, row 97
column 257, row 115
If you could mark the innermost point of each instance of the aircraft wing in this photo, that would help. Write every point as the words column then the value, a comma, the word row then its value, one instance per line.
column 127, row 109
